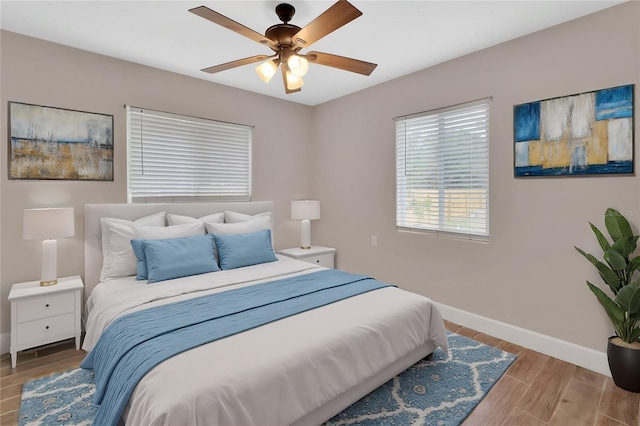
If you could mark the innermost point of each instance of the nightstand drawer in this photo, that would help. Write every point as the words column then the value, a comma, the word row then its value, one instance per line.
column 325, row 260
column 45, row 306
column 35, row 331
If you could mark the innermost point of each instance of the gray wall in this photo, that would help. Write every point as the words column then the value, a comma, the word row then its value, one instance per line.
column 529, row 274
column 38, row 72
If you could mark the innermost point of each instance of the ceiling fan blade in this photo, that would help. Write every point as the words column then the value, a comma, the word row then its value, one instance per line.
column 217, row 68
column 284, row 68
column 222, row 20
column 341, row 62
column 330, row 20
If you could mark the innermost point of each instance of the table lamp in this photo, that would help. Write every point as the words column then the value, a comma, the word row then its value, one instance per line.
column 47, row 225
column 305, row 211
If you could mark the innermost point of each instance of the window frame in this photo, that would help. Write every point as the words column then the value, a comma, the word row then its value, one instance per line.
column 403, row 187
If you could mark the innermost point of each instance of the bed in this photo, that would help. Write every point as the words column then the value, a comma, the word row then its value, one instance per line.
column 296, row 369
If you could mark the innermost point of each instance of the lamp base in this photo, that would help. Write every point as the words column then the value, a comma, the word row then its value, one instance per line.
column 49, row 273
column 305, row 234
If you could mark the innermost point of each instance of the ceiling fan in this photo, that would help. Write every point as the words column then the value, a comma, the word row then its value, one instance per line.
column 286, row 40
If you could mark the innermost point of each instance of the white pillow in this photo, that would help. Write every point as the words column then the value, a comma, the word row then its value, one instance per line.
column 176, row 219
column 253, row 225
column 235, row 217
column 123, row 260
column 156, row 219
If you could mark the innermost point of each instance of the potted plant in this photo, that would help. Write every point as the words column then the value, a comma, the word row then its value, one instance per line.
column 617, row 270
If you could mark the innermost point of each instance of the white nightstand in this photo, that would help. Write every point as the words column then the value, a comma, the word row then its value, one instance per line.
column 41, row 315
column 322, row 256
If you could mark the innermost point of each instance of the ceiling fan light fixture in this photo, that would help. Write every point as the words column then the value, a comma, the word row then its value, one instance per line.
column 298, row 65
column 293, row 81
column 267, row 70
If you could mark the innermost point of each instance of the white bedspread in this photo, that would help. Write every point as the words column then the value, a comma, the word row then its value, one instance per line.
column 274, row 374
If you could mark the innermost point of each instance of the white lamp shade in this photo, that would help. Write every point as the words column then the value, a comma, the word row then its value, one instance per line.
column 305, row 210
column 298, row 65
column 293, row 82
column 266, row 70
column 49, row 223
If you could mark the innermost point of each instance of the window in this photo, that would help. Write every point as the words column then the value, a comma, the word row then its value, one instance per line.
column 442, row 171
column 176, row 156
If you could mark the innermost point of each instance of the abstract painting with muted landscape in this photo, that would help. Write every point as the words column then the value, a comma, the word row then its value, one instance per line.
column 56, row 143
column 584, row 134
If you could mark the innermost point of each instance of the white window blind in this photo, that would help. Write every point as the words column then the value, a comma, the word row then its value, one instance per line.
column 442, row 171
column 176, row 156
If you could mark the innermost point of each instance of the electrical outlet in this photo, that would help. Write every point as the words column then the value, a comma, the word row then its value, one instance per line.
column 374, row 241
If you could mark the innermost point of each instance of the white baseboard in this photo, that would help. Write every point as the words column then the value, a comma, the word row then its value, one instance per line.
column 566, row 351
column 5, row 343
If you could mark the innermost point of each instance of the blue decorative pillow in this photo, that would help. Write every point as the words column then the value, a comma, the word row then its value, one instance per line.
column 141, row 267
column 238, row 250
column 179, row 257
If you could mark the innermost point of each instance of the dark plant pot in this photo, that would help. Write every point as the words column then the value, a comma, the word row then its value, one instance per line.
column 624, row 364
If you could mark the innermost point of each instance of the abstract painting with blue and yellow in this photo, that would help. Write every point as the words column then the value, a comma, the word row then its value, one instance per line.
column 585, row 134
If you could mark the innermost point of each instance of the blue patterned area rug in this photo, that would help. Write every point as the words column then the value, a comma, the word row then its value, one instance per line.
column 441, row 391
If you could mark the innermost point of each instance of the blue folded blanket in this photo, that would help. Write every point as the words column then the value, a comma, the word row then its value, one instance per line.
column 135, row 343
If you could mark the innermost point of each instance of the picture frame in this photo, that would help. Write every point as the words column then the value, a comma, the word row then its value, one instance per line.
column 586, row 134
column 50, row 143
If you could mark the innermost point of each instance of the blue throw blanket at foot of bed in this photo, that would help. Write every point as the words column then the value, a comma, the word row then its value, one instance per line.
column 135, row 343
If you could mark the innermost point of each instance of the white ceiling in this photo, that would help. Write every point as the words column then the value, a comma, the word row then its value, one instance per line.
column 400, row 36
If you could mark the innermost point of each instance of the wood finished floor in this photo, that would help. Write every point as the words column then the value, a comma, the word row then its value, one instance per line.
column 536, row 390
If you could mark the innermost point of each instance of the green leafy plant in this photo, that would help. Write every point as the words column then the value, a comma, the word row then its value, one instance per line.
column 617, row 272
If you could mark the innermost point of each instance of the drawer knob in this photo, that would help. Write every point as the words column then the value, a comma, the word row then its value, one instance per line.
column 47, row 327
column 318, row 261
column 46, row 306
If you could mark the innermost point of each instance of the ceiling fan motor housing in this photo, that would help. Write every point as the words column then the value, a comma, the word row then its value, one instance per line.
column 282, row 34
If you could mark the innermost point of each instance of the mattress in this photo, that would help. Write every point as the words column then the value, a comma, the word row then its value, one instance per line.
column 275, row 374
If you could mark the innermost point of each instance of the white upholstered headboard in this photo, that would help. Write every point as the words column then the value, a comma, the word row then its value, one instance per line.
column 92, row 228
